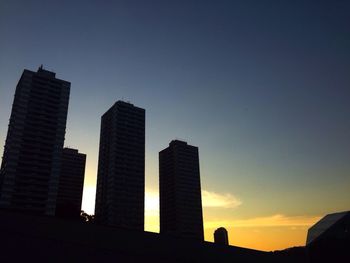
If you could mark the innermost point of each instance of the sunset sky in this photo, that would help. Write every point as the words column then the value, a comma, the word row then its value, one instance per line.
column 261, row 87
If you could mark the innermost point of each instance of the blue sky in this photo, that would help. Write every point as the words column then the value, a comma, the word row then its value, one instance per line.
column 262, row 88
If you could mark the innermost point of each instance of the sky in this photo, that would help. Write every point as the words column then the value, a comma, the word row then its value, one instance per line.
column 261, row 87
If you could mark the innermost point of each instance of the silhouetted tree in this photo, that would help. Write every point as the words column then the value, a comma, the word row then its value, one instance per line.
column 85, row 217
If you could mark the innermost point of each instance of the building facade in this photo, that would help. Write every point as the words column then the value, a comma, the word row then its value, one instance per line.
column 329, row 239
column 180, row 191
column 31, row 161
column 71, row 183
column 121, row 167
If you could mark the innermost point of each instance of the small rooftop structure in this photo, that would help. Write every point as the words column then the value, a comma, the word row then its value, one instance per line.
column 43, row 71
column 221, row 236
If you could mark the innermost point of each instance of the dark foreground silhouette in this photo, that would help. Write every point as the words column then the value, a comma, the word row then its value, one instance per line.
column 49, row 239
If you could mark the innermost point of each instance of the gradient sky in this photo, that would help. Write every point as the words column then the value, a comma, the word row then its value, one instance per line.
column 261, row 87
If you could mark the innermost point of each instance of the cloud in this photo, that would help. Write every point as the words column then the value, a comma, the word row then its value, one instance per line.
column 211, row 199
column 278, row 220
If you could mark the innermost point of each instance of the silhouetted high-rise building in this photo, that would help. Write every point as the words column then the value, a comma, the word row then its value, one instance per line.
column 31, row 162
column 121, row 167
column 70, row 189
column 221, row 236
column 180, row 191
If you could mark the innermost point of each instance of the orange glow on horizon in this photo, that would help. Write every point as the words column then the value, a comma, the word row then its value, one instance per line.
column 269, row 233
column 263, row 238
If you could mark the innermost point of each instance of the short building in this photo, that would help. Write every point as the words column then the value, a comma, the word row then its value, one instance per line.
column 70, row 188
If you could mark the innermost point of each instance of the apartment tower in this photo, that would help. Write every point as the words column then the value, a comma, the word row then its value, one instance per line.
column 180, row 191
column 30, row 166
column 121, row 167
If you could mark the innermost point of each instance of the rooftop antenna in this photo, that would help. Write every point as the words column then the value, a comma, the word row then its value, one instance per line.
column 180, row 139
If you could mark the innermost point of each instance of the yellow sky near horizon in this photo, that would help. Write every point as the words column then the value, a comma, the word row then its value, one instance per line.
column 268, row 233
